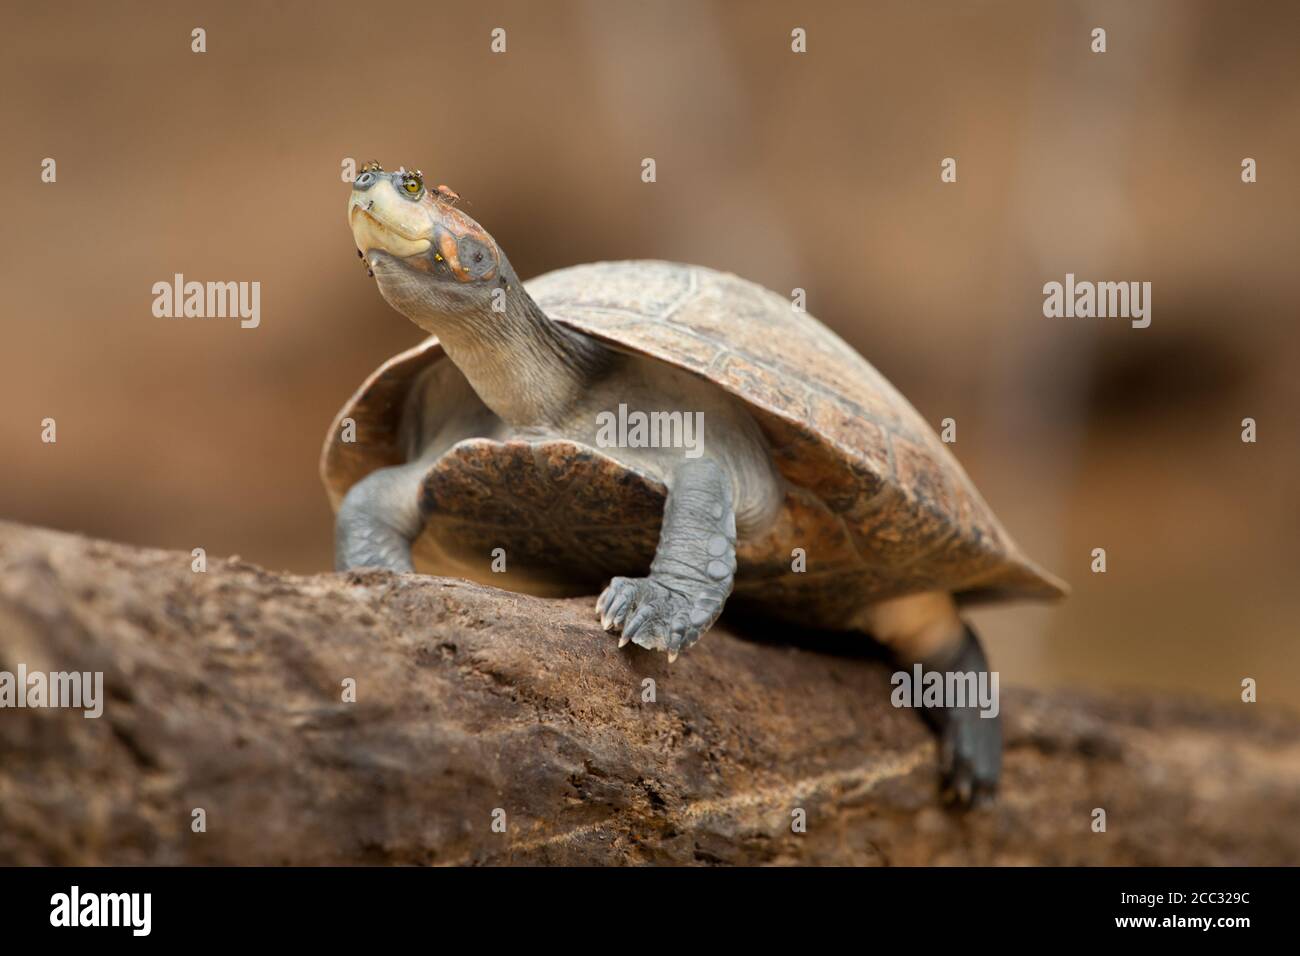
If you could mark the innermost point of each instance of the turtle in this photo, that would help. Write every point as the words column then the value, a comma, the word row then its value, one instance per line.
column 673, row 438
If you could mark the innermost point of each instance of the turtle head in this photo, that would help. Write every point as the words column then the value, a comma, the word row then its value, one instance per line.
column 445, row 273
column 430, row 258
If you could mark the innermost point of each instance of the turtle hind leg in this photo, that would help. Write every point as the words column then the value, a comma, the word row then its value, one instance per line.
column 378, row 519
column 925, row 629
column 970, row 737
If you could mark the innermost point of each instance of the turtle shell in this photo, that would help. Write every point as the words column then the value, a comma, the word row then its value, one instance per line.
column 887, row 507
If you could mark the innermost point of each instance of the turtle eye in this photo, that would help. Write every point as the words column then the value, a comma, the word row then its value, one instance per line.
column 413, row 184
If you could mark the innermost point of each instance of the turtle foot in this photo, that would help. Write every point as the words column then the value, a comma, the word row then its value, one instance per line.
column 655, row 616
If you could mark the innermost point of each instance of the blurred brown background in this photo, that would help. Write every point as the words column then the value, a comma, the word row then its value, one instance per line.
column 818, row 170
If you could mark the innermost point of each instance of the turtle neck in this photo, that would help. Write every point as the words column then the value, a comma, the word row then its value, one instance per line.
column 527, row 368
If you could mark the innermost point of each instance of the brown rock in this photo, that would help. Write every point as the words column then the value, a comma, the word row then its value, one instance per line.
column 224, row 691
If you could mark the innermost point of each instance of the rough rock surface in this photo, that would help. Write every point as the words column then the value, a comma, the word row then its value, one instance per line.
column 225, row 692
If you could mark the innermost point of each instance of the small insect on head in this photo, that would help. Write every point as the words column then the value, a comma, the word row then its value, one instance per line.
column 446, row 193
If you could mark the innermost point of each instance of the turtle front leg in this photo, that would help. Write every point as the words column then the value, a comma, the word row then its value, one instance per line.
column 378, row 519
column 693, row 569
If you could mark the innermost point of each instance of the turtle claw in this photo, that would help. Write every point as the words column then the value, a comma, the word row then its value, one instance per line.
column 654, row 616
column 640, row 619
column 613, row 605
column 606, row 619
